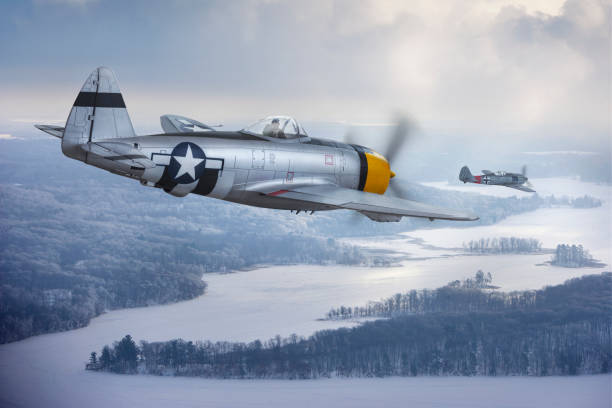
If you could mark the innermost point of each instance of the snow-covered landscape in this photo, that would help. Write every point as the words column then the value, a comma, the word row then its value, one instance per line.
column 590, row 227
column 261, row 303
column 149, row 257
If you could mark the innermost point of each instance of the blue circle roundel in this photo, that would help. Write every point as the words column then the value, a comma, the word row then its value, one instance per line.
column 187, row 163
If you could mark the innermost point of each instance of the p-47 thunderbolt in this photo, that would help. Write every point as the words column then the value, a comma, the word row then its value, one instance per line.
column 500, row 178
column 273, row 163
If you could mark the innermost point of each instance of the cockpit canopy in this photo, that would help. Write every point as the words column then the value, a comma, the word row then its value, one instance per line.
column 278, row 127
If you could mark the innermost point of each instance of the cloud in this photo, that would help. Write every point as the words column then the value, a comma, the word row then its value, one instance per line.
column 7, row 136
column 34, row 120
column 490, row 69
column 563, row 152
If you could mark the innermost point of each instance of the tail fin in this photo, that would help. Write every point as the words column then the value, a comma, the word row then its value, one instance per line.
column 465, row 175
column 98, row 113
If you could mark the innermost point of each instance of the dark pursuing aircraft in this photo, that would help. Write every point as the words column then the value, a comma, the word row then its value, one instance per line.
column 500, row 178
column 273, row 163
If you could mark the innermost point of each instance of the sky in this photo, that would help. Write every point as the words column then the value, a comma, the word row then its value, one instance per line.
column 527, row 70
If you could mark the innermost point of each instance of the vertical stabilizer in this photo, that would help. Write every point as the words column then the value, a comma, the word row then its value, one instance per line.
column 98, row 113
column 465, row 175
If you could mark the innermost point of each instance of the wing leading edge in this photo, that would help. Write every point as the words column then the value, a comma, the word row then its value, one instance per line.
column 182, row 124
column 375, row 206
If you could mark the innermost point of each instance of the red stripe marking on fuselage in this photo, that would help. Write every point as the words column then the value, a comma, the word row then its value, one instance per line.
column 478, row 179
column 279, row 192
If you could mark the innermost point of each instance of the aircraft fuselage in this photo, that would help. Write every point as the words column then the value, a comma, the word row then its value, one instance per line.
column 234, row 166
column 505, row 180
column 501, row 178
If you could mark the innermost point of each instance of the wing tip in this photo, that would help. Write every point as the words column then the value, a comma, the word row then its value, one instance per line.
column 56, row 131
column 466, row 218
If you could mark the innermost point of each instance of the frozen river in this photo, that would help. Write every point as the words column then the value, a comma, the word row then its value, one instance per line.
column 49, row 370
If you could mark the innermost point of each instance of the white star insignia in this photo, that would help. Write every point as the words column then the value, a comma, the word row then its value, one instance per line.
column 188, row 164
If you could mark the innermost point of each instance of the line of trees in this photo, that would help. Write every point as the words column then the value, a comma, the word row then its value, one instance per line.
column 586, row 201
column 559, row 330
column 573, row 256
column 470, row 295
column 121, row 358
column 503, row 245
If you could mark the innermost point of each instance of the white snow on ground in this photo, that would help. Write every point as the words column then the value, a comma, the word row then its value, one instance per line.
column 401, row 246
column 101, row 390
column 48, row 370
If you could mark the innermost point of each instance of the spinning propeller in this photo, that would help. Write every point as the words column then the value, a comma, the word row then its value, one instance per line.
column 527, row 182
column 400, row 134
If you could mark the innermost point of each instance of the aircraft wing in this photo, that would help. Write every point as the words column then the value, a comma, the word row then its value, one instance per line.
column 181, row 124
column 522, row 188
column 375, row 206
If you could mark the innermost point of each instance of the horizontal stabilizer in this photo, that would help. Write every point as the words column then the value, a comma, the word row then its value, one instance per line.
column 119, row 152
column 487, row 172
column 57, row 131
column 181, row 124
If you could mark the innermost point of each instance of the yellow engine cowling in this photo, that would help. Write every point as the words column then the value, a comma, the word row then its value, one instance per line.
column 379, row 173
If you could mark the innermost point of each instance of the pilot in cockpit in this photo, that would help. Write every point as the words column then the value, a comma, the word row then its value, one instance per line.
column 273, row 129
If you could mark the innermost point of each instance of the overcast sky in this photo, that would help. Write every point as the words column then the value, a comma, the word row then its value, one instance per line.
column 515, row 68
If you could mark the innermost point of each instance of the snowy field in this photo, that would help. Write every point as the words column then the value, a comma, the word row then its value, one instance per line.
column 49, row 370
column 101, row 390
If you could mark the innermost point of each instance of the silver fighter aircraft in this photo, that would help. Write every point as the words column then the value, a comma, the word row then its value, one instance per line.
column 273, row 163
column 500, row 178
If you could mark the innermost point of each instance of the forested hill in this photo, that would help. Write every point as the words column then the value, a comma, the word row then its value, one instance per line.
column 68, row 254
column 564, row 330
column 475, row 295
